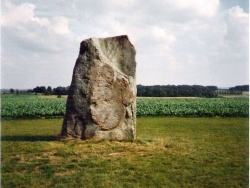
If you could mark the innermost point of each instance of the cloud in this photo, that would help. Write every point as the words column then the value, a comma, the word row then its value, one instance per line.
column 177, row 42
column 60, row 25
column 237, row 29
column 161, row 34
column 24, row 14
column 24, row 28
column 199, row 8
column 33, row 47
column 12, row 14
column 207, row 49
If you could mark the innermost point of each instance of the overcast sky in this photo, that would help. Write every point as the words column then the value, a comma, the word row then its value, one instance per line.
column 202, row 42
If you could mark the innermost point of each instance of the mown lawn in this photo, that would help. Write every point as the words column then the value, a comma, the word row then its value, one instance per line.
column 168, row 152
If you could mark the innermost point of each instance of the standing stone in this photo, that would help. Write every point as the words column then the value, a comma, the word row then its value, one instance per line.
column 102, row 98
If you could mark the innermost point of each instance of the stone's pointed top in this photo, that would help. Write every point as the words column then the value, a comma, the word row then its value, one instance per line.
column 85, row 44
column 114, row 37
column 116, row 51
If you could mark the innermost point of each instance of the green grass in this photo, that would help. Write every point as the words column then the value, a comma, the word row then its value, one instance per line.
column 168, row 152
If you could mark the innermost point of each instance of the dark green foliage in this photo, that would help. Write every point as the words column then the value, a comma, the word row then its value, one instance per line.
column 40, row 89
column 61, row 90
column 56, row 91
column 12, row 90
column 176, row 91
column 240, row 88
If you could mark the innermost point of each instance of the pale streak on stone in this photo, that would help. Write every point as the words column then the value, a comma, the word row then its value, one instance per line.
column 102, row 100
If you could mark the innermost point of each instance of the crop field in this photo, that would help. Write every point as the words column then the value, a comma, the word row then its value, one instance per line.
column 200, row 107
column 32, row 106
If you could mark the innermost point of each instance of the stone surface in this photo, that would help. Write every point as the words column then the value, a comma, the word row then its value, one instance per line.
column 102, row 99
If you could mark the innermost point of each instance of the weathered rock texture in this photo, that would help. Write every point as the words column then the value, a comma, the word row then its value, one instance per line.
column 102, row 100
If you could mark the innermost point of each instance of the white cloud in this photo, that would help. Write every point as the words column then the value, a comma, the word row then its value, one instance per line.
column 204, row 8
column 177, row 42
column 21, row 24
column 214, row 48
column 161, row 34
column 60, row 25
column 237, row 26
column 12, row 14
column 31, row 44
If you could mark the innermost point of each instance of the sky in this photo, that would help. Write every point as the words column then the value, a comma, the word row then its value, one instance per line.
column 191, row 42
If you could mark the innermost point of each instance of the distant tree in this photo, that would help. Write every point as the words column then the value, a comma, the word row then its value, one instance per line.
column 12, row 90
column 170, row 91
column 17, row 91
column 36, row 89
column 40, row 89
column 61, row 90
column 49, row 89
column 240, row 88
column 43, row 89
column 213, row 88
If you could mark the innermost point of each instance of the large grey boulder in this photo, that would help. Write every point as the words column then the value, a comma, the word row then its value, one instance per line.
column 102, row 99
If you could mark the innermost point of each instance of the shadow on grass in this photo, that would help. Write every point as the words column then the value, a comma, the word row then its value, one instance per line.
column 29, row 138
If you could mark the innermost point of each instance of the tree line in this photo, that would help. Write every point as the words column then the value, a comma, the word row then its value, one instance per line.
column 239, row 88
column 49, row 91
column 147, row 91
column 176, row 91
column 153, row 91
column 44, row 90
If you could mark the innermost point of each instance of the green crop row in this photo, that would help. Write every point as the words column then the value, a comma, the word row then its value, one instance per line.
column 31, row 107
column 193, row 107
column 25, row 107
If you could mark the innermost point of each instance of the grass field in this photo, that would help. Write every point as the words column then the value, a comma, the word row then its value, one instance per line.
column 168, row 152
